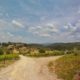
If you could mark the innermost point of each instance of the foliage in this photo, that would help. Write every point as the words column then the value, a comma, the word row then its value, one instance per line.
column 45, row 54
column 67, row 66
column 9, row 57
column 41, row 51
column 1, row 51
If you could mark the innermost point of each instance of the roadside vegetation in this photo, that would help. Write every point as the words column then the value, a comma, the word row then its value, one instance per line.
column 7, row 59
column 67, row 66
column 44, row 53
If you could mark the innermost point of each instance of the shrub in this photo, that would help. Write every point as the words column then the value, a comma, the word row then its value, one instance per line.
column 41, row 51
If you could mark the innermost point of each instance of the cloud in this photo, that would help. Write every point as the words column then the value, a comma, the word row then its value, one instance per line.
column 7, row 36
column 45, row 30
column 69, row 27
column 38, row 19
column 17, row 23
column 10, row 34
column 4, row 24
column 73, row 31
column 8, row 25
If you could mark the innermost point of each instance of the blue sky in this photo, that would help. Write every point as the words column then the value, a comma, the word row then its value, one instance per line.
column 40, row 21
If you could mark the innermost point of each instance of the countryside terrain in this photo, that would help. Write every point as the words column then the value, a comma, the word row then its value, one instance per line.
column 21, row 61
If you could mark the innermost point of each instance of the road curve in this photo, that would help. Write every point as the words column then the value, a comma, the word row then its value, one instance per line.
column 29, row 69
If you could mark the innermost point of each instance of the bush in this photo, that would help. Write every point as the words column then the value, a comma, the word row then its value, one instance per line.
column 41, row 51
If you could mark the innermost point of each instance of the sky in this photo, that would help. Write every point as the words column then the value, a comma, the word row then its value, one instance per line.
column 39, row 21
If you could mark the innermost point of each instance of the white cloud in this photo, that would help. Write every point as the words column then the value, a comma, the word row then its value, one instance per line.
column 45, row 30
column 42, row 34
column 72, row 31
column 7, row 36
column 5, row 25
column 7, row 30
column 45, row 35
column 69, row 27
column 10, row 34
column 17, row 23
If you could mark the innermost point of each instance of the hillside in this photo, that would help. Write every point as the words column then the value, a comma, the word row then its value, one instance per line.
column 63, row 46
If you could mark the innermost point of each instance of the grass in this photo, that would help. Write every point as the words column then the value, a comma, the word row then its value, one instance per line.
column 8, row 59
column 51, row 66
column 67, row 66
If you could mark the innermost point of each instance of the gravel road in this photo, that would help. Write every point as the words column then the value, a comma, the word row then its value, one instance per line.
column 29, row 69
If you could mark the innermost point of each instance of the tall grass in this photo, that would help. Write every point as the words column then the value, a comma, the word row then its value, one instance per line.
column 67, row 66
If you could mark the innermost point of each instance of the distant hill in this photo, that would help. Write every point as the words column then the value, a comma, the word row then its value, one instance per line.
column 63, row 46
column 57, row 46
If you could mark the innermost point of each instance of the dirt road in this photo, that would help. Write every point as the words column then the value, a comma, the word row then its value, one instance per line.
column 29, row 69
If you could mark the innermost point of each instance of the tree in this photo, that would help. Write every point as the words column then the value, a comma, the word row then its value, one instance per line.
column 1, row 51
column 41, row 51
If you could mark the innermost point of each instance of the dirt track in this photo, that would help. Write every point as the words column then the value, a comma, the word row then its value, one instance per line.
column 29, row 69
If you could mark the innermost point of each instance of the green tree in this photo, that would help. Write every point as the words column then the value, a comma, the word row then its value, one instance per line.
column 41, row 51
column 1, row 51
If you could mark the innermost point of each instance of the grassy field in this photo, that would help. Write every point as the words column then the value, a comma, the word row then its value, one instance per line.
column 67, row 66
column 8, row 59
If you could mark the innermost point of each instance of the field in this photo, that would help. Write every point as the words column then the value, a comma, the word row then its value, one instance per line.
column 66, row 67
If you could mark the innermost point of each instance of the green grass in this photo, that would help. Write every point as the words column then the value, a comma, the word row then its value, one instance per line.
column 8, row 59
column 67, row 66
